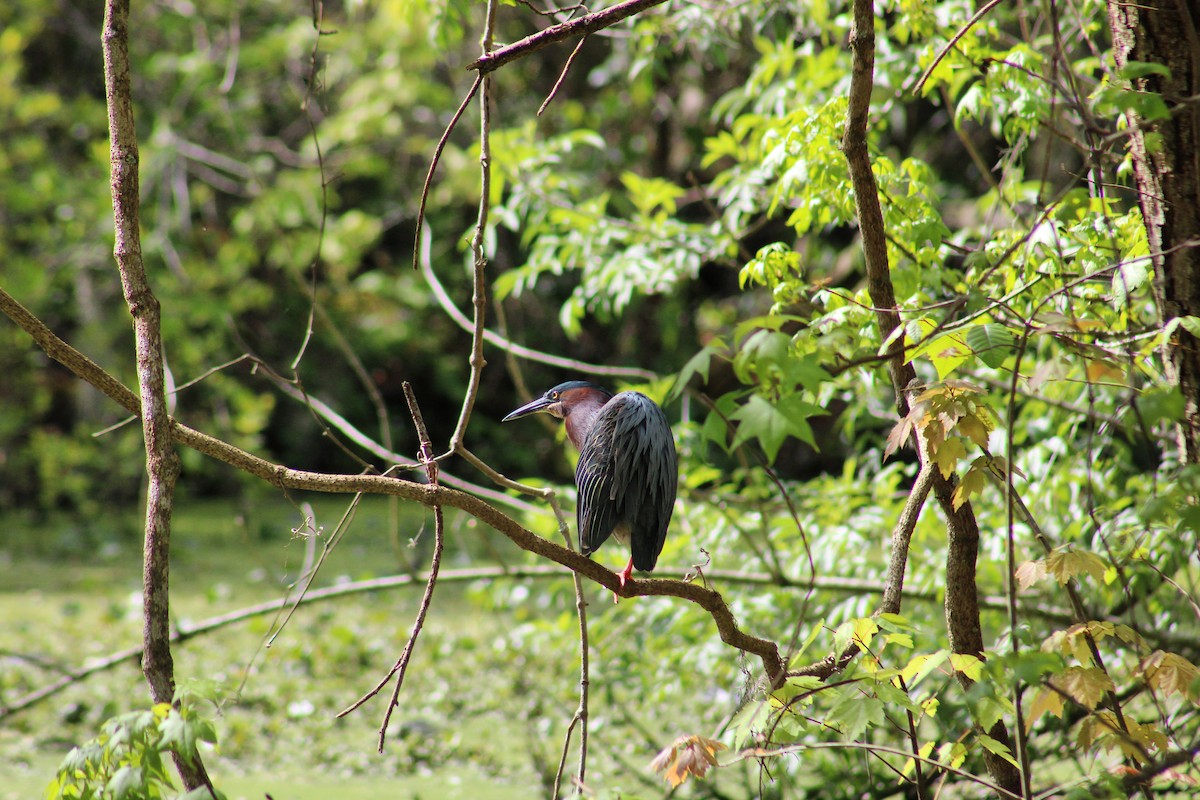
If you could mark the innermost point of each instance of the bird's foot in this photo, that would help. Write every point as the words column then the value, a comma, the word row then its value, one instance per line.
column 623, row 577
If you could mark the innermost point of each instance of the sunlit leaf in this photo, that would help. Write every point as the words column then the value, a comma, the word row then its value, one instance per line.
column 1085, row 685
column 1063, row 565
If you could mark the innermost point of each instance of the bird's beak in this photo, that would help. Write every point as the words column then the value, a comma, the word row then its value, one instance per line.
column 540, row 404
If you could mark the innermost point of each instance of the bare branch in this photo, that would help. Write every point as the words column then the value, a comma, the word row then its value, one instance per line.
column 509, row 346
column 162, row 461
column 556, row 33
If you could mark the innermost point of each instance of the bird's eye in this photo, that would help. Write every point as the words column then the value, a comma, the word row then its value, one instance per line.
column 554, row 395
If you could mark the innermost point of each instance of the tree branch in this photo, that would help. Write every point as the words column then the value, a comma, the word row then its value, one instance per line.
column 556, row 33
column 162, row 461
column 287, row 478
column 962, row 602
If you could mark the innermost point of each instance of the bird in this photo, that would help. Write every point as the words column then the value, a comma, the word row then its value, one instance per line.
column 628, row 470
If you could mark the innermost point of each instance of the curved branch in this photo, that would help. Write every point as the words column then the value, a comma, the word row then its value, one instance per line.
column 287, row 478
column 507, row 345
column 962, row 529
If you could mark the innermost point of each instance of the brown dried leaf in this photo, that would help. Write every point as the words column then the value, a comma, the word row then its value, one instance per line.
column 686, row 756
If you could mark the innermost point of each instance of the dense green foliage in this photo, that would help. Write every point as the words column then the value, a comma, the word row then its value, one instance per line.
column 682, row 206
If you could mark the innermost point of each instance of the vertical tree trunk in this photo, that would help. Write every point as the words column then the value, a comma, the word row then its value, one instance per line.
column 1167, row 169
column 962, row 601
column 162, row 461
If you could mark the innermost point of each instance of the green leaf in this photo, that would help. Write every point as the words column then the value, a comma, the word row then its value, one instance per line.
column 991, row 342
column 854, row 711
column 1128, row 279
column 179, row 735
column 771, row 423
column 1140, row 69
column 127, row 781
column 698, row 364
column 998, row 748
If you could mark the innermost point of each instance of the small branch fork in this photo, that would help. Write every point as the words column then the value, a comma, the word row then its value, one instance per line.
column 589, row 23
column 439, row 532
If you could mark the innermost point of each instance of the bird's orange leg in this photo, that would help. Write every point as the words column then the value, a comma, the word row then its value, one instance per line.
column 623, row 575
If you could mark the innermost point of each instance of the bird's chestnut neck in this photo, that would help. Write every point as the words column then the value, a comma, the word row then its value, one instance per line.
column 579, row 415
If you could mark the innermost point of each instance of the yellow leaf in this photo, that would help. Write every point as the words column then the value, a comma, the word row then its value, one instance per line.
column 967, row 664
column 947, row 454
column 1066, row 564
column 953, row 753
column 1169, row 673
column 971, row 483
column 923, row 752
column 1084, row 685
column 1102, row 370
column 974, row 429
column 1046, row 701
column 1030, row 573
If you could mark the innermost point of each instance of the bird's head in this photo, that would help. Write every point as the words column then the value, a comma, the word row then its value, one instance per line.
column 559, row 401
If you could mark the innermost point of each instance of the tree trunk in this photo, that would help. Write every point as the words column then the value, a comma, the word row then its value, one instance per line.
column 1167, row 169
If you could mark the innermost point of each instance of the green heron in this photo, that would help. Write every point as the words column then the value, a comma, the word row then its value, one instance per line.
column 627, row 472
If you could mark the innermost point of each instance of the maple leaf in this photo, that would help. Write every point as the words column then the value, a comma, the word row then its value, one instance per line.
column 1046, row 701
column 974, row 429
column 899, row 434
column 1084, row 685
column 686, row 756
column 1169, row 673
column 1030, row 573
column 1066, row 564
column 946, row 456
column 972, row 483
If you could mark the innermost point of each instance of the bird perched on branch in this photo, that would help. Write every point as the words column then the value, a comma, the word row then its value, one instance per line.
column 628, row 470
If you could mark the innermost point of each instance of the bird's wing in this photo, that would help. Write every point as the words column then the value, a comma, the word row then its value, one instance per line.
column 628, row 473
column 596, row 515
column 652, row 471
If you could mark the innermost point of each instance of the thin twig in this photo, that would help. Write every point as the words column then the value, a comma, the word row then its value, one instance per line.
column 479, row 257
column 509, row 346
column 978, row 15
column 580, row 716
column 562, row 76
column 437, row 156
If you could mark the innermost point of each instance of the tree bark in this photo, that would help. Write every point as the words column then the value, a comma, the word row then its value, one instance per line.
column 1167, row 171
column 962, row 599
column 162, row 461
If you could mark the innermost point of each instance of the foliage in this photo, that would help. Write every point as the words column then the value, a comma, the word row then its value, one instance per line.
column 126, row 759
column 684, row 205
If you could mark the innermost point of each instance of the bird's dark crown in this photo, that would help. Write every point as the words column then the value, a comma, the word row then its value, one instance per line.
column 556, row 393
